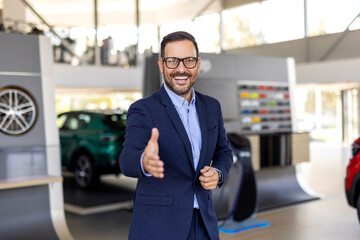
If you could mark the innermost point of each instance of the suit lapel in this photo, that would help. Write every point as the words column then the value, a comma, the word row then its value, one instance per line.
column 176, row 121
column 201, row 111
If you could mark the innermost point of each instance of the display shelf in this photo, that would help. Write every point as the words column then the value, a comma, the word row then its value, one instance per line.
column 25, row 161
column 28, row 181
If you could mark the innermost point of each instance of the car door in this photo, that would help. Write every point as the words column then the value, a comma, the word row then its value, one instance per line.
column 69, row 137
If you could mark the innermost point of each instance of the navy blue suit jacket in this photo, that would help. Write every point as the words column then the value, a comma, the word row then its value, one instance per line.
column 163, row 207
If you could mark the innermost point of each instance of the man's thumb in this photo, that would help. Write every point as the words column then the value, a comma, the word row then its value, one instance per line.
column 154, row 136
column 205, row 169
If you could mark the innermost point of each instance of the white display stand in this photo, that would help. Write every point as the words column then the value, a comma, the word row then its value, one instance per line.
column 31, row 195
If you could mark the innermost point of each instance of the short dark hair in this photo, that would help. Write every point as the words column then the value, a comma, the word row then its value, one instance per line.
column 178, row 36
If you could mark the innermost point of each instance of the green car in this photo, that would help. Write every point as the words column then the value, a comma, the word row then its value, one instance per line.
column 91, row 142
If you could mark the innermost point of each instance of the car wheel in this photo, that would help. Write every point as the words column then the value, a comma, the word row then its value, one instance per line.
column 84, row 171
column 358, row 207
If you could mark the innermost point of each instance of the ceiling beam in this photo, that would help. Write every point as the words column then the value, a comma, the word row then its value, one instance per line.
column 202, row 10
column 83, row 17
column 236, row 3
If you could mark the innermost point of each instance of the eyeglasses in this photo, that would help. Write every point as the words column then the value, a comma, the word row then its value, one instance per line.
column 173, row 62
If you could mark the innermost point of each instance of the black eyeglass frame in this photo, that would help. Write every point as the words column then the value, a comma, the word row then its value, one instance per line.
column 180, row 60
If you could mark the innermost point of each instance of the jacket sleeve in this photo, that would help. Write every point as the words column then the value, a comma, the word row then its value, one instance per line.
column 222, row 158
column 138, row 132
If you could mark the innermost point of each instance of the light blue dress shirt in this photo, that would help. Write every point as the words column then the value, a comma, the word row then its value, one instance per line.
column 189, row 118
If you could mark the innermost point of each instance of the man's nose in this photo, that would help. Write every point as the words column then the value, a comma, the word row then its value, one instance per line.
column 181, row 66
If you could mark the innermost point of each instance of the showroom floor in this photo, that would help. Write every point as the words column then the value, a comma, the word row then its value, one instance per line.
column 328, row 218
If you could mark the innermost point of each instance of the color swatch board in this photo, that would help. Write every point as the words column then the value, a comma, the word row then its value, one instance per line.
column 264, row 107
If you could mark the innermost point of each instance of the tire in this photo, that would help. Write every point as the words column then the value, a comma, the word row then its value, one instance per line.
column 358, row 207
column 85, row 174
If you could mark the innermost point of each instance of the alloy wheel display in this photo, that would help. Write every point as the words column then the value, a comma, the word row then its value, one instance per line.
column 18, row 110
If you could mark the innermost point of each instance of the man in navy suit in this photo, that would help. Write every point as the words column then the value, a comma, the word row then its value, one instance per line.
column 176, row 146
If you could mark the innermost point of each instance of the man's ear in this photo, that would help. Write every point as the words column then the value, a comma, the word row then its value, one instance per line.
column 198, row 65
column 161, row 65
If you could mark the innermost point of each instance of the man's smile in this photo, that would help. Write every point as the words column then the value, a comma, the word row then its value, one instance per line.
column 181, row 79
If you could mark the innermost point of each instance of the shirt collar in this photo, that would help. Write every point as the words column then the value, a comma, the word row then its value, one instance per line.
column 178, row 100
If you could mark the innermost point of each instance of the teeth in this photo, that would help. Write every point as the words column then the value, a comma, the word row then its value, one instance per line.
column 181, row 78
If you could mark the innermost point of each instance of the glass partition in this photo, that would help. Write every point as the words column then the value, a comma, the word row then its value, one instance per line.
column 319, row 111
column 350, row 103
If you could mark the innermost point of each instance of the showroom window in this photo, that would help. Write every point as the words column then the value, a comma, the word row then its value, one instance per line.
column 282, row 20
column 266, row 22
column 319, row 112
column 330, row 126
column 209, row 25
column 242, row 26
column 68, row 99
column 305, row 109
column 148, row 38
column 183, row 25
column 331, row 16
column 206, row 30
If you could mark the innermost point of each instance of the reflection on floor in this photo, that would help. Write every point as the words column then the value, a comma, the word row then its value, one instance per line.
column 102, row 226
column 328, row 218
column 102, row 213
column 104, row 196
column 278, row 187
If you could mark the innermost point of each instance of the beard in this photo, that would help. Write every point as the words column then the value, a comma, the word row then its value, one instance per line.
column 179, row 90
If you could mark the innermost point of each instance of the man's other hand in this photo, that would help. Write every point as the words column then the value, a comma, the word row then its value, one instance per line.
column 209, row 178
column 151, row 160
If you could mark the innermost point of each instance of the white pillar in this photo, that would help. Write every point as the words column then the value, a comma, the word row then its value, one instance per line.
column 318, row 109
column 14, row 15
column 221, row 31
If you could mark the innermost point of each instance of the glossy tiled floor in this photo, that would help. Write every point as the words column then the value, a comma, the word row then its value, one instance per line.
column 328, row 218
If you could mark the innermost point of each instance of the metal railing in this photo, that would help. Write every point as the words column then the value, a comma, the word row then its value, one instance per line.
column 51, row 29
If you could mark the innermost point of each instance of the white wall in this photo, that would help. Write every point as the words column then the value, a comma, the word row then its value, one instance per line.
column 309, row 50
column 97, row 77
column 335, row 71
column 341, row 66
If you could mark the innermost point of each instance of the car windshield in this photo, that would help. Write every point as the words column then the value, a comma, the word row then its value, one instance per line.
column 61, row 120
column 115, row 121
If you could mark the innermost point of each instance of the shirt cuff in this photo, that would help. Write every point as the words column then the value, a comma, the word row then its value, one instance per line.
column 142, row 168
column 221, row 180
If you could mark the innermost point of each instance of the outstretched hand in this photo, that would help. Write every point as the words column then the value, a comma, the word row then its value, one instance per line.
column 151, row 160
column 209, row 178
